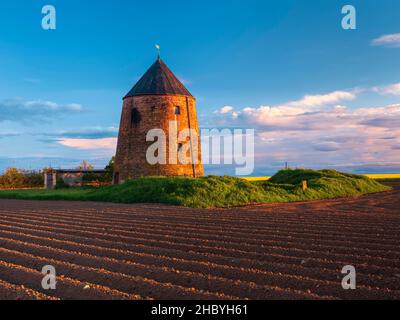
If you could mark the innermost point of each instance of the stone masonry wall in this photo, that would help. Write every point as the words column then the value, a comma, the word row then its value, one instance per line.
column 156, row 112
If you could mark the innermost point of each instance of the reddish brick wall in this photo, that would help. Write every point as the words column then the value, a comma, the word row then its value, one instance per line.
column 156, row 112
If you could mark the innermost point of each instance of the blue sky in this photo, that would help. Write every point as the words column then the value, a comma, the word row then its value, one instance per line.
column 258, row 59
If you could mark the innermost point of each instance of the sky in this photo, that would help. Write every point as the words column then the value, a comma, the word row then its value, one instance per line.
column 317, row 95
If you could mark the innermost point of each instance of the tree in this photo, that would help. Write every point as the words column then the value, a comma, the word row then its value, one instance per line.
column 85, row 165
column 33, row 179
column 110, row 167
column 12, row 178
column 103, row 178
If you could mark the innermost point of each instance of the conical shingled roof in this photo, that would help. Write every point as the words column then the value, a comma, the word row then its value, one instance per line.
column 158, row 80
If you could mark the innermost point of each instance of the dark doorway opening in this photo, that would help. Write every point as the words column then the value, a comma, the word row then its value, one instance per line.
column 49, row 182
column 135, row 117
column 116, row 178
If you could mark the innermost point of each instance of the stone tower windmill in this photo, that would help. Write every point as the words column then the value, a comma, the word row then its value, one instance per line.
column 157, row 101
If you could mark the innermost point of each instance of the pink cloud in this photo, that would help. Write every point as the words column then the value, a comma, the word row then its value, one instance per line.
column 393, row 89
column 391, row 40
column 90, row 144
column 314, row 130
column 312, row 101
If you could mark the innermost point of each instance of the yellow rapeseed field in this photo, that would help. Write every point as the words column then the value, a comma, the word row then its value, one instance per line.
column 372, row 176
column 384, row 176
column 257, row 178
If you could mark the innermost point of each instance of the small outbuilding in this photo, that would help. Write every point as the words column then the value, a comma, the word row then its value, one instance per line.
column 71, row 177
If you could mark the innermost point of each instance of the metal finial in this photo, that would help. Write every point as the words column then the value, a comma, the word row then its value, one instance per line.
column 158, row 47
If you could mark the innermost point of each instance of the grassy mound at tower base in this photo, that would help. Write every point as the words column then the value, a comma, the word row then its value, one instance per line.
column 212, row 191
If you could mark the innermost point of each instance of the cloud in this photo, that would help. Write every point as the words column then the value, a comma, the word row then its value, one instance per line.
column 90, row 144
column 388, row 40
column 327, row 147
column 226, row 109
column 393, row 89
column 281, row 115
column 333, row 118
column 18, row 110
column 9, row 134
column 389, row 122
column 319, row 112
column 315, row 130
column 289, row 119
column 312, row 101
column 98, row 132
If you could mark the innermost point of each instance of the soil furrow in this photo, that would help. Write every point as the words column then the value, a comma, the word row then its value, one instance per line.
column 252, row 289
column 269, row 253
column 100, row 276
column 208, row 282
column 303, row 226
column 345, row 239
column 9, row 291
column 299, row 269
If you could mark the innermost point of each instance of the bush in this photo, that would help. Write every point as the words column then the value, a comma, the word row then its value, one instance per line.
column 95, row 179
column 60, row 184
column 109, row 170
column 14, row 178
column 34, row 180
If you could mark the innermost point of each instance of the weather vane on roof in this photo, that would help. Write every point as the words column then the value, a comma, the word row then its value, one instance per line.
column 158, row 47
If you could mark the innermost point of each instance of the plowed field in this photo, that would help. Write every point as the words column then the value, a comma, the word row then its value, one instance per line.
column 272, row 251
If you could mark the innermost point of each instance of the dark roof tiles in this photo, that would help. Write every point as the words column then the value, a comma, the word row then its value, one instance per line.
column 158, row 80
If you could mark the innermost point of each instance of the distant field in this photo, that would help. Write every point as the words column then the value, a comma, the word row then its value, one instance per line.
column 371, row 176
column 257, row 178
column 384, row 176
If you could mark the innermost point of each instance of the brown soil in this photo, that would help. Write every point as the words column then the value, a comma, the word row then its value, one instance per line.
column 272, row 251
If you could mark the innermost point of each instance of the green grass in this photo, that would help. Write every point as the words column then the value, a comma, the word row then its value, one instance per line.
column 384, row 176
column 388, row 181
column 215, row 191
